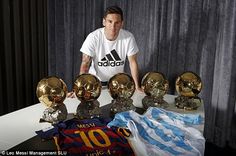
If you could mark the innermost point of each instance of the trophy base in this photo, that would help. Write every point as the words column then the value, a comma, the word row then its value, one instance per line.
column 54, row 114
column 149, row 101
column 187, row 103
column 88, row 110
column 121, row 105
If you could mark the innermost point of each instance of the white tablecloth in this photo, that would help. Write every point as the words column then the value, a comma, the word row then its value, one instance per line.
column 21, row 125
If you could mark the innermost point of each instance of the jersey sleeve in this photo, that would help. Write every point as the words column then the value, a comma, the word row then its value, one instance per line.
column 47, row 134
column 88, row 46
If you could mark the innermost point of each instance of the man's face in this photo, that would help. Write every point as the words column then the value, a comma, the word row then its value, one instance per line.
column 112, row 24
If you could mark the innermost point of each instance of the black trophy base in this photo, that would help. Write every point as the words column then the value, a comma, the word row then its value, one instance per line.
column 121, row 105
column 88, row 110
column 149, row 101
column 188, row 103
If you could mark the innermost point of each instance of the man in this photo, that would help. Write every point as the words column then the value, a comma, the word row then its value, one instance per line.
column 105, row 49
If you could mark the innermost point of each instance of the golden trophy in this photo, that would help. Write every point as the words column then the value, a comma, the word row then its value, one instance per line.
column 87, row 88
column 155, row 86
column 51, row 91
column 188, row 85
column 121, row 88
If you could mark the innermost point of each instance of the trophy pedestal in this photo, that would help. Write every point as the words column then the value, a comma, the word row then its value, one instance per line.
column 54, row 114
column 187, row 103
column 149, row 101
column 121, row 105
column 88, row 110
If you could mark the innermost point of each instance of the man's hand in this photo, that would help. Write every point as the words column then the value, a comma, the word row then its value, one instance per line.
column 140, row 89
column 71, row 95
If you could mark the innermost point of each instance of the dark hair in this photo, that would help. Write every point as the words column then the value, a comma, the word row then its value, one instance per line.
column 114, row 10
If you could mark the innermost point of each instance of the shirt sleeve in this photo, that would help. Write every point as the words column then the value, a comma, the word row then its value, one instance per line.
column 133, row 48
column 88, row 46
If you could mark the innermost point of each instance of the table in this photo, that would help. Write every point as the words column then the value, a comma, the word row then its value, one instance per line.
column 20, row 126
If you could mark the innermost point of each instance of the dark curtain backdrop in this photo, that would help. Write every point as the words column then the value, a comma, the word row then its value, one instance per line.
column 23, row 60
column 173, row 36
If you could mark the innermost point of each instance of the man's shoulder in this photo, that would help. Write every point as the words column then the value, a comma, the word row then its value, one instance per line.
column 95, row 35
column 97, row 32
column 126, row 33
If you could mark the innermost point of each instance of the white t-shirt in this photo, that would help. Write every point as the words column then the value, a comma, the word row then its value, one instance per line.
column 108, row 57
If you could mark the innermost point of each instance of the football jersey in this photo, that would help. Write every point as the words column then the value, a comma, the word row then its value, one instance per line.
column 88, row 137
column 161, row 132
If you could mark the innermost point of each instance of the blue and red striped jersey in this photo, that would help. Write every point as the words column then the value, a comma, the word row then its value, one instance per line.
column 88, row 137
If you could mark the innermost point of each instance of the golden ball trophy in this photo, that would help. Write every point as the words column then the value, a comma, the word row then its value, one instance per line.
column 121, row 88
column 51, row 91
column 188, row 85
column 87, row 88
column 155, row 86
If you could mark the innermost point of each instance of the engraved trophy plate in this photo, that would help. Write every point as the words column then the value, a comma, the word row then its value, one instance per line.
column 87, row 88
column 121, row 88
column 188, row 85
column 51, row 91
column 155, row 86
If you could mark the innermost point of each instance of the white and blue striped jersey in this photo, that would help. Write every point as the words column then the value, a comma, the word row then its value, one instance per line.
column 161, row 132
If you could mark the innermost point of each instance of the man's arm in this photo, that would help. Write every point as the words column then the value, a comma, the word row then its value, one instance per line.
column 85, row 64
column 134, row 70
column 84, row 68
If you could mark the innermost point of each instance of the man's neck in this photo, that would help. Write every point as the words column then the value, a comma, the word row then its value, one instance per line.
column 110, row 37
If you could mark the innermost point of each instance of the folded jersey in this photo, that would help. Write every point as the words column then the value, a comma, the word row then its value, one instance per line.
column 161, row 132
column 88, row 137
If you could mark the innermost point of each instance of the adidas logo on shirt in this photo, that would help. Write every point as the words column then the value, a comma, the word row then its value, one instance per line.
column 111, row 59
